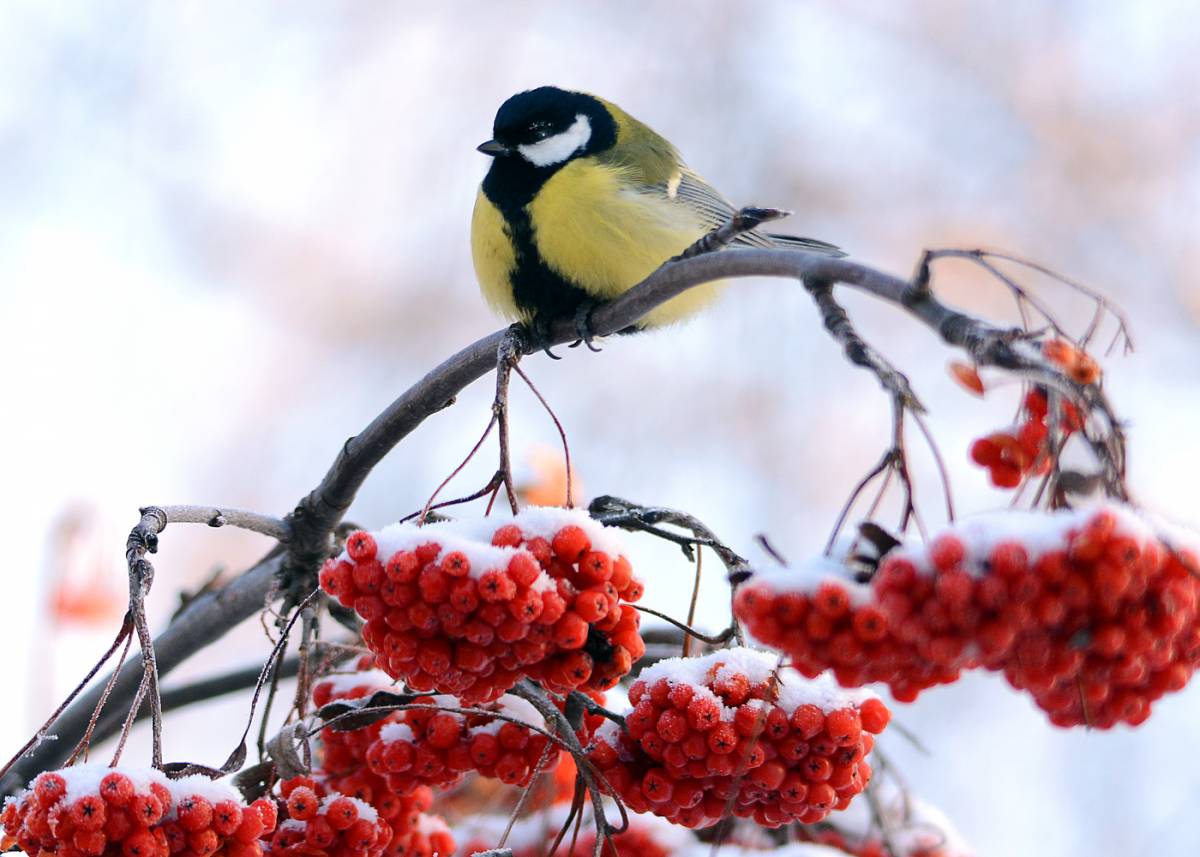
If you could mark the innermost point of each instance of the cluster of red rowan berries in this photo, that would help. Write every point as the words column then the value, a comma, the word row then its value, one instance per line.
column 328, row 823
column 1088, row 611
column 1078, row 364
column 342, row 767
column 436, row 748
column 470, row 608
column 824, row 620
column 732, row 733
column 1010, row 456
column 95, row 811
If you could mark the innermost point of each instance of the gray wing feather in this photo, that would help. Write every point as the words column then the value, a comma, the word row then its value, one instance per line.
column 715, row 211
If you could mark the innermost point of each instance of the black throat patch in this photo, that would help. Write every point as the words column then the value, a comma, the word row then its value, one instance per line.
column 538, row 290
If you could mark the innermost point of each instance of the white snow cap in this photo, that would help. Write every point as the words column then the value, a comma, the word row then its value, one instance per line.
column 512, row 706
column 757, row 666
column 366, row 812
column 1038, row 532
column 808, row 576
column 84, row 780
column 473, row 537
column 343, row 683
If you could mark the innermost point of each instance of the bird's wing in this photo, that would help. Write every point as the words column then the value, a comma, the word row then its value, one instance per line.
column 693, row 191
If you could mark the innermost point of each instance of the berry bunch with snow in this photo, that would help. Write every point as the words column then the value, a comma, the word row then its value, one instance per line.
column 823, row 618
column 436, row 748
column 731, row 732
column 343, row 753
column 471, row 607
column 97, row 811
column 327, row 822
column 1012, row 455
column 1088, row 611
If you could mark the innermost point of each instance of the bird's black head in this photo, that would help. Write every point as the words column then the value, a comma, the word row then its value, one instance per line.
column 547, row 127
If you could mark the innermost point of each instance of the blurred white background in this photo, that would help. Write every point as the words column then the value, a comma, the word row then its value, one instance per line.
column 230, row 233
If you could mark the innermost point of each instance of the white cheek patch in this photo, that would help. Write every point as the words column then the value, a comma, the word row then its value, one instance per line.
column 556, row 149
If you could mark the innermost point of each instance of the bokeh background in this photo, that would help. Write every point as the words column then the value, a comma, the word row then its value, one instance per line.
column 230, row 233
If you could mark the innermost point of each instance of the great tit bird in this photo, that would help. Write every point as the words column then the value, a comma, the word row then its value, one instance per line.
column 581, row 203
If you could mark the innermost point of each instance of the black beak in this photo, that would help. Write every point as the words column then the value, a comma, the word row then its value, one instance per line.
column 491, row 147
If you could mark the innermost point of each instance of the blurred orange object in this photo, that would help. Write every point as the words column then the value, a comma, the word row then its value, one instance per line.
column 546, row 485
column 85, row 584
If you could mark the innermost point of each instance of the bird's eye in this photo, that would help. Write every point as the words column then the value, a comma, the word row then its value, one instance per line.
column 540, row 129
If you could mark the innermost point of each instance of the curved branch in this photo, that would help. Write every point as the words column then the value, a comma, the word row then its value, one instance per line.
column 317, row 514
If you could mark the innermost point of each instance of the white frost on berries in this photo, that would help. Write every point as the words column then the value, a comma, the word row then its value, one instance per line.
column 391, row 732
column 808, row 576
column 366, row 812
column 462, row 536
column 198, row 785
column 84, row 780
column 1039, row 533
column 757, row 666
column 512, row 707
column 341, row 684
column 427, row 824
column 545, row 521
column 515, row 708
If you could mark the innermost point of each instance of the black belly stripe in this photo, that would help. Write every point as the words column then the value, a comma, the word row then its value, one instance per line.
column 538, row 290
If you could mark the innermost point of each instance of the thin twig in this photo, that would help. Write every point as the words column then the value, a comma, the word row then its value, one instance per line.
column 691, row 616
column 562, row 434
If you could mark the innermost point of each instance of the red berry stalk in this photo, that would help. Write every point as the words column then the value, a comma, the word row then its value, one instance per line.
column 731, row 733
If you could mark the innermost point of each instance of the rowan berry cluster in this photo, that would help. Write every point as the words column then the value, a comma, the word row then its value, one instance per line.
column 729, row 733
column 343, row 768
column 97, row 811
column 470, row 607
column 436, row 748
column 1010, row 456
column 823, row 619
column 327, row 822
column 1079, row 365
column 1090, row 612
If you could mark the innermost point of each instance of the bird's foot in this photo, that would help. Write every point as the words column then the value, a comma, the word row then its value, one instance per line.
column 538, row 331
column 583, row 326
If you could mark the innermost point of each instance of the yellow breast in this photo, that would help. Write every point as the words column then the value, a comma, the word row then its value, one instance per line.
column 596, row 232
column 494, row 256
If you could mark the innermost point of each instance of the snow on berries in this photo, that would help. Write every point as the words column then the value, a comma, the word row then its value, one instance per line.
column 732, row 732
column 1012, row 455
column 98, row 811
column 436, row 748
column 1089, row 611
column 327, row 822
column 823, row 618
column 470, row 607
